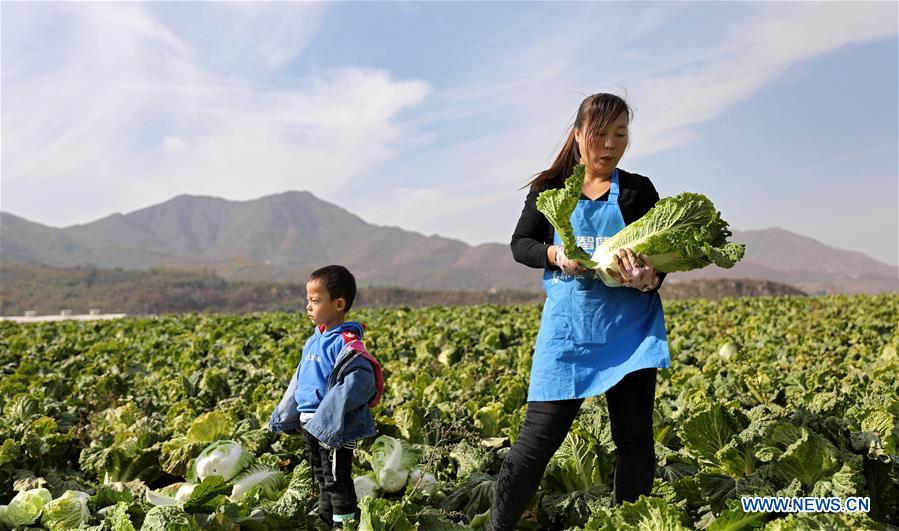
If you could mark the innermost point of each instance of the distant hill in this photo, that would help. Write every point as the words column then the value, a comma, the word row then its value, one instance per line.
column 719, row 288
column 281, row 238
column 275, row 238
column 809, row 265
column 48, row 290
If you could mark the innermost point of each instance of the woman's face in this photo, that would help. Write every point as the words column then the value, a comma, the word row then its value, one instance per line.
column 601, row 150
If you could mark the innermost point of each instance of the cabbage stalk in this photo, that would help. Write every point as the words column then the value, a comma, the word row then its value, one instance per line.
column 184, row 492
column 160, row 498
column 558, row 205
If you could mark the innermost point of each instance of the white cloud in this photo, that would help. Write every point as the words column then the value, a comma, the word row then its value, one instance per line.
column 174, row 144
column 311, row 139
column 463, row 190
column 147, row 101
column 241, row 39
column 753, row 53
column 136, row 105
column 535, row 89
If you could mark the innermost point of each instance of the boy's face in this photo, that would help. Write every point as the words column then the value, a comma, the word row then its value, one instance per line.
column 320, row 307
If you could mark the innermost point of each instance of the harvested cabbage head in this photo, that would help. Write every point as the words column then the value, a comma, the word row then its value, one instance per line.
column 267, row 480
column 422, row 481
column 393, row 459
column 25, row 507
column 366, row 486
column 222, row 458
column 66, row 512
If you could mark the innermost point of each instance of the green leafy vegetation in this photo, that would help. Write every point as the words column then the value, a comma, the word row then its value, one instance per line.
column 134, row 423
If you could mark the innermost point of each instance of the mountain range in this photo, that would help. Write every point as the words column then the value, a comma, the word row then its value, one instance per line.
column 281, row 238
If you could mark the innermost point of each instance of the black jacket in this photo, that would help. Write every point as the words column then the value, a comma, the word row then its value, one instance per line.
column 534, row 233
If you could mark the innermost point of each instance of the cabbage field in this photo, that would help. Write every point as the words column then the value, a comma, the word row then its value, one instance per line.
column 126, row 424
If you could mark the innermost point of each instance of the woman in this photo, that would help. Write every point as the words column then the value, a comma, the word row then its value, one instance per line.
column 593, row 339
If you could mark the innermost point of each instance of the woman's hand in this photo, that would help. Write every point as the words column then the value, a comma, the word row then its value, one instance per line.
column 633, row 275
column 559, row 259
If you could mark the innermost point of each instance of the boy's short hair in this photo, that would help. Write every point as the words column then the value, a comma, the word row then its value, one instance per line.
column 339, row 282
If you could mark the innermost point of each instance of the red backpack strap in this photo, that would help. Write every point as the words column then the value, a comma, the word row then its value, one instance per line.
column 359, row 346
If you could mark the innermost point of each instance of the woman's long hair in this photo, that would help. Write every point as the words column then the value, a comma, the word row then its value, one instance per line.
column 596, row 112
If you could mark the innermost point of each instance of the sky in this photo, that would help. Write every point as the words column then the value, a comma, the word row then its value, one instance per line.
column 431, row 116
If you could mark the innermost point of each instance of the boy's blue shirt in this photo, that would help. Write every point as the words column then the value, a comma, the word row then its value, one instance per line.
column 319, row 357
column 341, row 412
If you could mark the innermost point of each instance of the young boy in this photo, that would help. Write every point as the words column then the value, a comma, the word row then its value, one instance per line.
column 336, row 382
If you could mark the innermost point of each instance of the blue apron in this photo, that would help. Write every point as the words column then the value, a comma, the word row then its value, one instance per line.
column 592, row 335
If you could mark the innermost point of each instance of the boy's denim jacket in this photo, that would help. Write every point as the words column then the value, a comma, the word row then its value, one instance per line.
column 343, row 416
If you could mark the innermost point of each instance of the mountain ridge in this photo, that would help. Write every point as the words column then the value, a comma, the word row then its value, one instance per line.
column 282, row 237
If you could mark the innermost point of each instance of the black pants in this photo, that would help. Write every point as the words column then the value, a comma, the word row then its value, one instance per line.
column 336, row 495
column 545, row 426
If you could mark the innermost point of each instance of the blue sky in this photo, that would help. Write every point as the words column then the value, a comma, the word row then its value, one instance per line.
column 430, row 116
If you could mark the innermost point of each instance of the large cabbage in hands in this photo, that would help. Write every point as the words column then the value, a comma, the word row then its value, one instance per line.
column 679, row 233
